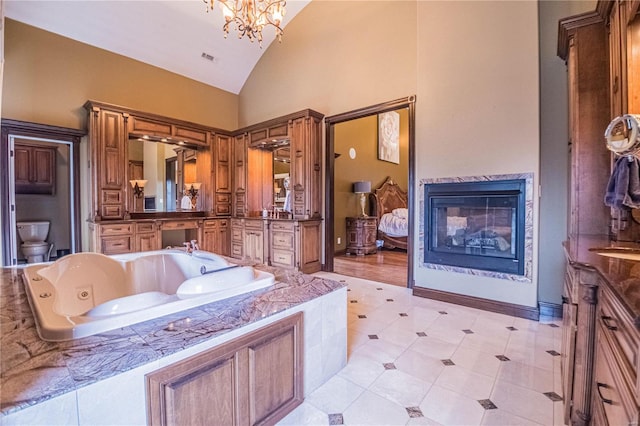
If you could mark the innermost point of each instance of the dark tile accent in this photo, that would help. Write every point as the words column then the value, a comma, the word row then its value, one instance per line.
column 421, row 334
column 553, row 396
column 343, row 281
column 502, row 358
column 348, row 289
column 373, row 337
column 362, row 316
column 389, row 300
column 379, row 288
column 442, row 312
column 402, row 314
column 447, row 362
column 554, row 353
column 487, row 404
column 353, row 301
column 467, row 331
column 554, row 325
column 414, row 412
column 336, row 419
column 389, row 366
column 512, row 328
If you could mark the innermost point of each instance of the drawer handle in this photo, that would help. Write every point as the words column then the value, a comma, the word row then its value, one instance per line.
column 603, row 385
column 606, row 318
column 116, row 229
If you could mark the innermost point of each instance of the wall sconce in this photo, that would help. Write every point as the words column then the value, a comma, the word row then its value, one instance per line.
column 362, row 188
column 138, row 187
column 191, row 190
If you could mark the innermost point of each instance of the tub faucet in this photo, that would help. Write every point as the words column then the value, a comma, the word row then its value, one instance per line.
column 194, row 245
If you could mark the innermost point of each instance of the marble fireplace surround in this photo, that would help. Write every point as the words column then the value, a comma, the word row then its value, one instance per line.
column 528, row 227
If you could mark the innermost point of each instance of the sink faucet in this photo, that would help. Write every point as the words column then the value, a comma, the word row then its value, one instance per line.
column 190, row 246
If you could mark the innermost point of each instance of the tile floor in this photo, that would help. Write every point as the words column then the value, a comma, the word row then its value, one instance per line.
column 415, row 361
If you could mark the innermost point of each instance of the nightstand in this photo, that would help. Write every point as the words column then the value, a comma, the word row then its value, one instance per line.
column 361, row 235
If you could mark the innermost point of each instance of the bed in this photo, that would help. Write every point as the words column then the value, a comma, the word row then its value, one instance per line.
column 389, row 205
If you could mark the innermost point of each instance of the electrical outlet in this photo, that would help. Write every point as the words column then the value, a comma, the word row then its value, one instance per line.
column 339, row 240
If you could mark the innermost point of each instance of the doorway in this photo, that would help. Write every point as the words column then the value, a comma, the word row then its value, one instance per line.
column 57, row 201
column 343, row 187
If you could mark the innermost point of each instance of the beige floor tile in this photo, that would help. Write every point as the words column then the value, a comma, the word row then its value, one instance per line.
column 434, row 348
column 380, row 350
column 305, row 414
column 527, row 376
column 523, row 402
column 400, row 387
column 477, row 361
column 468, row 383
column 335, row 395
column 419, row 365
column 504, row 418
column 362, row 370
column 372, row 409
column 450, row 408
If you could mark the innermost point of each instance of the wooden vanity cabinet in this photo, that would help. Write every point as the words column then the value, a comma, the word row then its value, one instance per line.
column 216, row 236
column 306, row 162
column 255, row 379
column 582, row 43
column 35, row 169
column 254, row 239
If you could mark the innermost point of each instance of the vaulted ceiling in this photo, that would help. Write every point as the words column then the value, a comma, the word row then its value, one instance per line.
column 181, row 36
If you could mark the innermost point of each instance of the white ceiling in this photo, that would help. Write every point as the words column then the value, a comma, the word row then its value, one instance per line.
column 170, row 34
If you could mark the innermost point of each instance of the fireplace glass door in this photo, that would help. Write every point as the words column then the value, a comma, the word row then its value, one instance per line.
column 475, row 227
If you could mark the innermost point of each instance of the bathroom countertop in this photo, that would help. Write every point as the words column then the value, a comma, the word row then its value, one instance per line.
column 622, row 276
column 33, row 370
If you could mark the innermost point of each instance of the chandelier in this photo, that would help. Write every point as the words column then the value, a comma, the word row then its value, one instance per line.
column 251, row 16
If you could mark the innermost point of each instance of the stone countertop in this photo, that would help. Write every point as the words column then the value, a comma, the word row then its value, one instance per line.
column 33, row 370
column 622, row 276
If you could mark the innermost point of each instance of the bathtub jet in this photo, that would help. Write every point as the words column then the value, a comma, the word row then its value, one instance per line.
column 89, row 293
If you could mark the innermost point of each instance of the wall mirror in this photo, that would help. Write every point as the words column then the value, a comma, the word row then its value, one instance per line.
column 281, row 179
column 166, row 168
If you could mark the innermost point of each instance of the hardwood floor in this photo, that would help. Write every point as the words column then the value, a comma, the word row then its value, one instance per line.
column 386, row 266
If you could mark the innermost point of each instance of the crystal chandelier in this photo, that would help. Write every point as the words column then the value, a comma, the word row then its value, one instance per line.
column 251, row 16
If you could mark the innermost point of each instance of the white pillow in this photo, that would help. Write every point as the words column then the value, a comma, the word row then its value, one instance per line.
column 401, row 212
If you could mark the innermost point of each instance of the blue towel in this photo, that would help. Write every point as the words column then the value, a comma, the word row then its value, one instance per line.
column 623, row 189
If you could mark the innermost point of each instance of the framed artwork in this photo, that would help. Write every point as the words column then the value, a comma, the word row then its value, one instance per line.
column 389, row 137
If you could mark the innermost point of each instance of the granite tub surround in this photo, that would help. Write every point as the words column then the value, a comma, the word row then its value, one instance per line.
column 528, row 227
column 74, row 382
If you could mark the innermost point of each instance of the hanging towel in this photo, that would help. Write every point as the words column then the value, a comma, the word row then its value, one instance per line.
column 623, row 190
column 632, row 197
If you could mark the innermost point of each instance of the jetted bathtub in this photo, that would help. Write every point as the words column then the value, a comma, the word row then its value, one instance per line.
column 89, row 293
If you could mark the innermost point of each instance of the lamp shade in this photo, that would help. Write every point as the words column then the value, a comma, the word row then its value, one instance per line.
column 362, row 187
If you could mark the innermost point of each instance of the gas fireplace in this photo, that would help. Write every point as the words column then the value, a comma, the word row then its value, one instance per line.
column 476, row 225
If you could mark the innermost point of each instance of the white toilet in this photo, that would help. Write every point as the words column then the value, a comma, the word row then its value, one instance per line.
column 33, row 236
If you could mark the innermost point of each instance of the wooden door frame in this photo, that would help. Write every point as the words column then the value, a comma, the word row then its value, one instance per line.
column 42, row 131
column 330, row 122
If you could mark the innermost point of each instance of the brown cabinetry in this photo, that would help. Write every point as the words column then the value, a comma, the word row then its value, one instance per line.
column 254, row 240
column 361, row 235
column 283, row 244
column 35, row 169
column 251, row 380
column 216, row 236
column 146, row 236
column 582, row 43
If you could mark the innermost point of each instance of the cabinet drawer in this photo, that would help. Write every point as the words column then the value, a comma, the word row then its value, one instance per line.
column 611, row 394
column 145, row 227
column 282, row 226
column 180, row 224
column 223, row 209
column 236, row 250
column 282, row 239
column 112, row 212
column 110, row 196
column 210, row 224
column 223, row 223
column 283, row 258
column 236, row 234
column 117, row 245
column 254, row 224
column 119, row 229
column 618, row 327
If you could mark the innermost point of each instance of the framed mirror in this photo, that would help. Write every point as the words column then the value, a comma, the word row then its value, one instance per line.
column 158, row 173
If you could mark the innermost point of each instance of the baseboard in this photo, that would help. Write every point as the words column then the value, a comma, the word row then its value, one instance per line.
column 340, row 252
column 478, row 303
column 550, row 309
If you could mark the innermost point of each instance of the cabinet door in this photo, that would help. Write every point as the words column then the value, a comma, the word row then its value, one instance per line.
column 34, row 169
column 309, row 260
column 240, row 176
column 222, row 163
column 253, row 379
column 146, row 242
column 223, row 240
